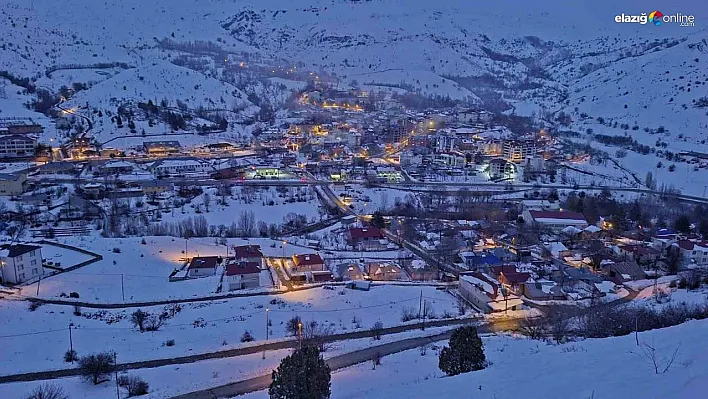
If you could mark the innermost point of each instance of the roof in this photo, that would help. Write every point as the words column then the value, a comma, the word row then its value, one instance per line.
column 629, row 268
column 685, row 244
column 11, row 176
column 307, row 260
column 203, row 262
column 15, row 250
column 166, row 143
column 484, row 282
column 237, row 268
column 358, row 233
column 376, row 269
column 248, row 251
column 557, row 215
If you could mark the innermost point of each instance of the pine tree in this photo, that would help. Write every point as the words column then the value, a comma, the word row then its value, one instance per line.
column 465, row 354
column 302, row 375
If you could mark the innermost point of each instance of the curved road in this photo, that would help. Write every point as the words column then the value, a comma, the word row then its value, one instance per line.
column 269, row 346
column 338, row 362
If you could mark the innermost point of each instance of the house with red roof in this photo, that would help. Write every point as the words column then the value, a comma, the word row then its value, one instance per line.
column 202, row 266
column 366, row 238
column 693, row 253
column 243, row 275
column 249, row 253
column 554, row 221
column 308, row 263
column 510, row 278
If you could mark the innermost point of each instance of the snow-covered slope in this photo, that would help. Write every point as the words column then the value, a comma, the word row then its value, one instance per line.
column 497, row 53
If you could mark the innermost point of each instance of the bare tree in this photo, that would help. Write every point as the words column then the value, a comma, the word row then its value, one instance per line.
column 246, row 223
column 47, row 391
column 533, row 328
column 317, row 335
column 206, row 198
column 660, row 363
column 97, row 368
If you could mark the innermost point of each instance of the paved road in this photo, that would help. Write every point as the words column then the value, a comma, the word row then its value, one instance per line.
column 270, row 346
column 338, row 362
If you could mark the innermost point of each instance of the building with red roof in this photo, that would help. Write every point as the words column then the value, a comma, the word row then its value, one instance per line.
column 554, row 221
column 249, row 253
column 366, row 238
column 308, row 263
column 202, row 266
column 243, row 275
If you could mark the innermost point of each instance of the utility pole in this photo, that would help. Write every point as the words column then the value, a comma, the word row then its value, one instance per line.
column 38, row 282
column 115, row 366
column 267, row 324
column 122, row 287
column 71, row 343
column 420, row 305
column 425, row 306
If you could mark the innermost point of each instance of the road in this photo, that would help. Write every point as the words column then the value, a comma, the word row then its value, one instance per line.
column 269, row 346
column 339, row 362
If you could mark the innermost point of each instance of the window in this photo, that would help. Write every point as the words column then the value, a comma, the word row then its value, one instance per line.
column 33, row 263
column 20, row 258
column 21, row 276
column 34, row 271
column 32, row 254
column 20, row 267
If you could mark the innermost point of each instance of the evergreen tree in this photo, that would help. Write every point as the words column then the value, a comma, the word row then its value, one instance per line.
column 465, row 354
column 377, row 220
column 682, row 224
column 302, row 375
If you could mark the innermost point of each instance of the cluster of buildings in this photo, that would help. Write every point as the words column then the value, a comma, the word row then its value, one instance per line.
column 242, row 270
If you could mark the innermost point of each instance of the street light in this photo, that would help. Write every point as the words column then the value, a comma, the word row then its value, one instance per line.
column 299, row 331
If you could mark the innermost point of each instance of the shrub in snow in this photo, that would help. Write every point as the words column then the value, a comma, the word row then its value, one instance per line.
column 135, row 385
column 293, row 326
column 73, row 295
column 34, row 305
column 116, row 250
column 170, row 342
column 376, row 330
column 77, row 310
column 47, row 391
column 138, row 318
column 465, row 353
column 70, row 356
column 247, row 337
column 304, row 374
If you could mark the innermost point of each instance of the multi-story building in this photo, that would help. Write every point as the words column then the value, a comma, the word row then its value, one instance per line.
column 12, row 183
column 17, row 146
column 500, row 168
column 518, row 150
column 20, row 262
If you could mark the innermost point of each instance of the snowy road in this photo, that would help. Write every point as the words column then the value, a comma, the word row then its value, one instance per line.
column 340, row 362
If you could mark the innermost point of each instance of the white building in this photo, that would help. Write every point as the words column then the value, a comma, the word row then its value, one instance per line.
column 693, row 253
column 243, row 275
column 540, row 205
column 202, row 266
column 17, row 146
column 554, row 221
column 180, row 166
column 479, row 289
column 501, row 169
column 20, row 262
column 518, row 150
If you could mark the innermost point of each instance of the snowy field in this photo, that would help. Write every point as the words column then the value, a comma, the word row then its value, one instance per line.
column 269, row 204
column 201, row 326
column 62, row 257
column 145, row 268
column 522, row 368
column 178, row 379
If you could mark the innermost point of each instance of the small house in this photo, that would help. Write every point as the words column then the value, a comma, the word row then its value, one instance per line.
column 250, row 253
column 366, row 238
column 243, row 275
column 307, row 263
column 384, row 271
column 202, row 266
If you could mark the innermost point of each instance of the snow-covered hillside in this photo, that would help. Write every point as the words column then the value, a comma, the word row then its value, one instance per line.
column 497, row 53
